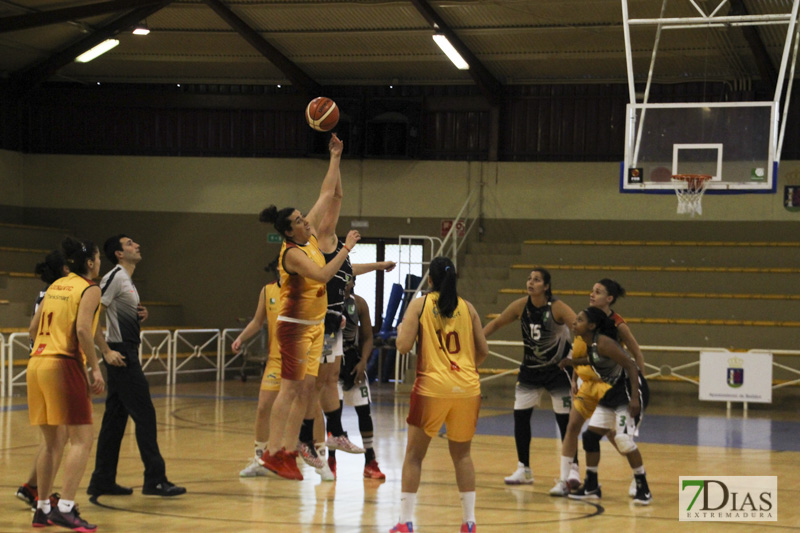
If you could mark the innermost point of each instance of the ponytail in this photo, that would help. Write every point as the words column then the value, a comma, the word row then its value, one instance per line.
column 52, row 268
column 77, row 254
column 603, row 324
column 614, row 289
column 278, row 218
column 443, row 276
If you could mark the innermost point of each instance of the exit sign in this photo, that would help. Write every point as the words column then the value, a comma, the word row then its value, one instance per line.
column 274, row 237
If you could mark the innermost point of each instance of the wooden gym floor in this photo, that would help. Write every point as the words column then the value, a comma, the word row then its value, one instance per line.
column 205, row 434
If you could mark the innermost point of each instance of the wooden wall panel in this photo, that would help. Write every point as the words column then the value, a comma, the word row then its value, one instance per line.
column 537, row 122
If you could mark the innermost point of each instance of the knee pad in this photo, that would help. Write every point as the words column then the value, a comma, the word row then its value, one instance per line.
column 625, row 443
column 591, row 441
column 364, row 419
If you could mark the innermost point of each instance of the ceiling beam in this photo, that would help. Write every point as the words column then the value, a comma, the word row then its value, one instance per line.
column 296, row 76
column 767, row 71
column 56, row 16
column 486, row 82
column 26, row 79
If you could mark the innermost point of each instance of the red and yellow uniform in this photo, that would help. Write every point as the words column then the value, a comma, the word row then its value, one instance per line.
column 58, row 388
column 272, row 373
column 303, row 303
column 447, row 387
column 592, row 388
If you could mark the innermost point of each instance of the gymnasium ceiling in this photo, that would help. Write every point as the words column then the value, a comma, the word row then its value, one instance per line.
column 316, row 43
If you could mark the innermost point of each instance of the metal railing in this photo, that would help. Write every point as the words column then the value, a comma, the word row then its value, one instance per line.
column 155, row 341
column 449, row 246
column 210, row 338
column 158, row 353
column 663, row 371
column 17, row 342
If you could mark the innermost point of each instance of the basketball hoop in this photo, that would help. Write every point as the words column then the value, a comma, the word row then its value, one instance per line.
column 690, row 188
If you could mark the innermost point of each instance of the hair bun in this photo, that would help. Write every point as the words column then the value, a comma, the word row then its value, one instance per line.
column 269, row 215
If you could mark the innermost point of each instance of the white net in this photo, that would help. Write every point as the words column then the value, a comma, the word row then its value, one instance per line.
column 689, row 189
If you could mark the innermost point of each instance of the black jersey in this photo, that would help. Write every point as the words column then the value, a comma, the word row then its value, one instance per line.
column 546, row 341
column 350, row 332
column 350, row 344
column 606, row 368
column 335, row 288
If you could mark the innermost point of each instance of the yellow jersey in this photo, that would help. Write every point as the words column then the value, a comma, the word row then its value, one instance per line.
column 579, row 349
column 302, row 298
column 446, row 352
column 272, row 299
column 57, row 333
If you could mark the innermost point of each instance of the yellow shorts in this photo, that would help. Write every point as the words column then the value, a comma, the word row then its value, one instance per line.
column 271, row 380
column 301, row 349
column 58, row 394
column 460, row 415
column 589, row 393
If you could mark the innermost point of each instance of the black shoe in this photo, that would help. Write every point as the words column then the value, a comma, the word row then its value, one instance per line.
column 28, row 494
column 643, row 496
column 71, row 520
column 165, row 488
column 40, row 518
column 112, row 490
column 586, row 494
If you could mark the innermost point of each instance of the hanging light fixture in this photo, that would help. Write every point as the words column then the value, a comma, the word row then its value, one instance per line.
column 450, row 52
column 141, row 29
column 98, row 50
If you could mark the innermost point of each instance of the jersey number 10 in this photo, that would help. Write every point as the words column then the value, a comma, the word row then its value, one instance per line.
column 450, row 343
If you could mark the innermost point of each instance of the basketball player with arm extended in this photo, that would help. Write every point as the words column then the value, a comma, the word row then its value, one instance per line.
column 303, row 305
column 586, row 396
column 447, row 390
column 58, row 382
column 326, row 392
column 620, row 408
column 545, row 334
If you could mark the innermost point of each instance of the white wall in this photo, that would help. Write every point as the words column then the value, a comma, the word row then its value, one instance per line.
column 373, row 188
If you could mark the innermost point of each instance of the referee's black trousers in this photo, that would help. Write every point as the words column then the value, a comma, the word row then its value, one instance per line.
column 128, row 395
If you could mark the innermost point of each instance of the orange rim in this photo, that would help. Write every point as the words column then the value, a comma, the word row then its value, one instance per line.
column 691, row 177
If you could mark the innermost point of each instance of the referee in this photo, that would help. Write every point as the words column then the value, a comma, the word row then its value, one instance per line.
column 128, row 390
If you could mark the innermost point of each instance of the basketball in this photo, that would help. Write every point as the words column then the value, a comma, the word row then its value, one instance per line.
column 322, row 114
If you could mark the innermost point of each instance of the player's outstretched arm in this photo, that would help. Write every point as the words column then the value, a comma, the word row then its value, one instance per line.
column 509, row 315
column 324, row 216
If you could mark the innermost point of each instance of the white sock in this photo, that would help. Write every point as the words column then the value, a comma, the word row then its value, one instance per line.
column 65, row 506
column 407, row 502
column 44, row 505
column 468, row 506
column 591, row 469
column 259, row 448
column 566, row 466
column 639, row 470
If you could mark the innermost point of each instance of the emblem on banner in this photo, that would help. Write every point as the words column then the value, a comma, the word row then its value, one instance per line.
column 735, row 372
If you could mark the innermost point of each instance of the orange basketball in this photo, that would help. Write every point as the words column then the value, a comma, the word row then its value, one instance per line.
column 322, row 114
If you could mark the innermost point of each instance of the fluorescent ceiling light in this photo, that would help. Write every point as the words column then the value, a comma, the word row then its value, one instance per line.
column 450, row 52
column 141, row 29
column 98, row 50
